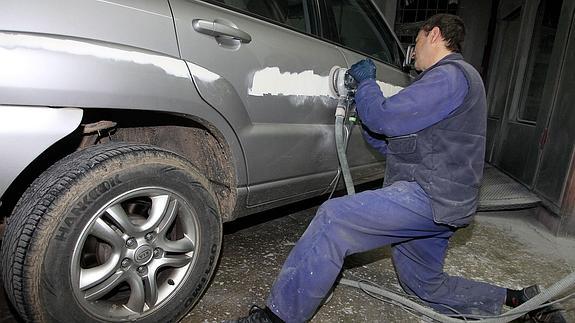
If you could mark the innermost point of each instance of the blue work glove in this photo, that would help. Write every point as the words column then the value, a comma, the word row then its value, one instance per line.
column 363, row 70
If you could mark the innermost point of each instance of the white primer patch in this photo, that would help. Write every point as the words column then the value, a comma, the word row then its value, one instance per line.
column 301, row 86
column 270, row 81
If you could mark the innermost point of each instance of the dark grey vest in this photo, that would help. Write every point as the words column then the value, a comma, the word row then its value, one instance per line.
column 446, row 159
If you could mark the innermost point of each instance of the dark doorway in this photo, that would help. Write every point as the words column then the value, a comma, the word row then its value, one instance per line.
column 518, row 113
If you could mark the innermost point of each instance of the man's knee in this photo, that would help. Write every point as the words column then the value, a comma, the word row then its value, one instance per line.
column 330, row 205
column 322, row 220
column 329, row 209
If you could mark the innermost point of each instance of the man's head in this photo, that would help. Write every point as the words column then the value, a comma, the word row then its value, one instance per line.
column 439, row 36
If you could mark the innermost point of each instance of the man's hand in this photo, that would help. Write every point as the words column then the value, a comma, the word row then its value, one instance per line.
column 363, row 70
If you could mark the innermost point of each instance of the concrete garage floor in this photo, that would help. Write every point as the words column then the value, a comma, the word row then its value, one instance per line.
column 506, row 248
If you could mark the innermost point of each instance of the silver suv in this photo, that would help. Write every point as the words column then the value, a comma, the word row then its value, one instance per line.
column 130, row 130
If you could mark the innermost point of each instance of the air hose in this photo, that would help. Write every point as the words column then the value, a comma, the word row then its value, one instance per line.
column 532, row 304
column 341, row 143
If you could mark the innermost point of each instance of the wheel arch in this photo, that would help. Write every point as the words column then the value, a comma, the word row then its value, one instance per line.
column 193, row 137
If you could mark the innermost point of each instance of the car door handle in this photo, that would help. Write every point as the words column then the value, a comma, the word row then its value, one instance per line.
column 216, row 28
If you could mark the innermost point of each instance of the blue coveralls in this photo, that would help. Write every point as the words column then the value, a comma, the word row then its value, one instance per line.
column 399, row 215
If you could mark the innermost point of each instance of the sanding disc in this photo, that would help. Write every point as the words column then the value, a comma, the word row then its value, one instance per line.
column 336, row 80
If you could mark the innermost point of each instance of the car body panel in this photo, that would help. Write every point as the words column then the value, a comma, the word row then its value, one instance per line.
column 44, row 127
column 145, row 24
column 276, row 88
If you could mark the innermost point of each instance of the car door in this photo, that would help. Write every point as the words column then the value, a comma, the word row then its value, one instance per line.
column 272, row 86
column 360, row 31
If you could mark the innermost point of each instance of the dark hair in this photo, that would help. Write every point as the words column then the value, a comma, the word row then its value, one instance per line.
column 451, row 27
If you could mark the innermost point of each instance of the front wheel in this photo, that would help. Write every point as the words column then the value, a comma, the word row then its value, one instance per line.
column 112, row 233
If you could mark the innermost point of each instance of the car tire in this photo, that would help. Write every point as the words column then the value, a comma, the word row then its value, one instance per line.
column 114, row 232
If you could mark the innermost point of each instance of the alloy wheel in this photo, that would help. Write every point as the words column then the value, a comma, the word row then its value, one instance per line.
column 135, row 253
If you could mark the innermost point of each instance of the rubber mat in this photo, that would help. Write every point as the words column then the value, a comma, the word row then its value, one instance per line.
column 501, row 192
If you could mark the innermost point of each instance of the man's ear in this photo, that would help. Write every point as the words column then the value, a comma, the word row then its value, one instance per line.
column 435, row 34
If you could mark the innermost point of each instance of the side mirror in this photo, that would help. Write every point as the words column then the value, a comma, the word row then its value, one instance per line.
column 408, row 62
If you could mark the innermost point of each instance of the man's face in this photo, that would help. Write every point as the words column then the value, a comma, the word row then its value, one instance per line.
column 422, row 50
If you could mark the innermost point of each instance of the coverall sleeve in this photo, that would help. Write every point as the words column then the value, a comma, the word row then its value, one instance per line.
column 418, row 106
column 374, row 140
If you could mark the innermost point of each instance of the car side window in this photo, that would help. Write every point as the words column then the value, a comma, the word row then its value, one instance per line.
column 360, row 28
column 292, row 13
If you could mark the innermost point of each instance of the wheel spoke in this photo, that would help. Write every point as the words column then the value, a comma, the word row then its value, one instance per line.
column 121, row 219
column 183, row 245
column 169, row 217
column 101, row 289
column 174, row 261
column 104, row 232
column 162, row 214
column 92, row 276
column 151, row 288
column 137, row 298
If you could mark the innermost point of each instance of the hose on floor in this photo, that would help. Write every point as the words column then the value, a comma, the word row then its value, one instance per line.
column 532, row 304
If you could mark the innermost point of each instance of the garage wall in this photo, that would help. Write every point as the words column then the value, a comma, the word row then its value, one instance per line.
column 476, row 15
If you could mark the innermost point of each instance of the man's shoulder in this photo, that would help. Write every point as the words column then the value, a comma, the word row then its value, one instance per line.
column 460, row 66
column 451, row 68
column 452, row 73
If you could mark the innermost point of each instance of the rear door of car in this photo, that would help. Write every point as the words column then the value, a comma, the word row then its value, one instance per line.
column 283, row 114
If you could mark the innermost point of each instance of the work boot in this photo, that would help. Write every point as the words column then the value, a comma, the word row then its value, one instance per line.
column 258, row 315
column 547, row 314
